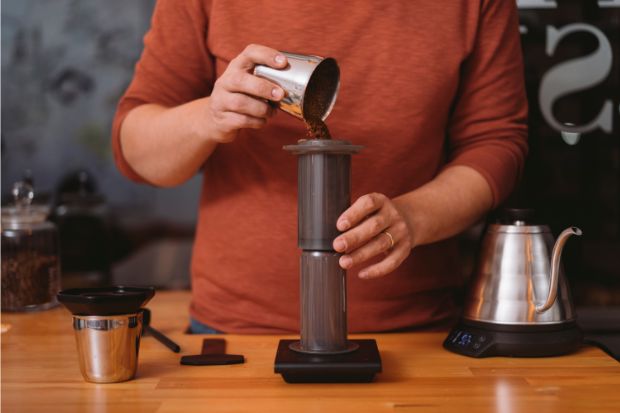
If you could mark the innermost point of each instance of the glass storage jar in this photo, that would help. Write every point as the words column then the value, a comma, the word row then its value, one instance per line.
column 30, row 255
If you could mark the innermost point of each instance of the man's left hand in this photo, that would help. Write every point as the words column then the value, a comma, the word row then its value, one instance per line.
column 373, row 225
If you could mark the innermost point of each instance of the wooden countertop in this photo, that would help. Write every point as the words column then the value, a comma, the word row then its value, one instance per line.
column 40, row 373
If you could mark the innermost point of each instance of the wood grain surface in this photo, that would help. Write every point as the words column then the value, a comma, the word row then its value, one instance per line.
column 40, row 373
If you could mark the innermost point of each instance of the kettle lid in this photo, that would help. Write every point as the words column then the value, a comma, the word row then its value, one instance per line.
column 515, row 216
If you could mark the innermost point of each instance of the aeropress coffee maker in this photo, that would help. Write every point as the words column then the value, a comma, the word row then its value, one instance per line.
column 323, row 353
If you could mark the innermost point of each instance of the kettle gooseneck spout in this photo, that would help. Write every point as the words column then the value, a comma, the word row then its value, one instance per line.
column 556, row 257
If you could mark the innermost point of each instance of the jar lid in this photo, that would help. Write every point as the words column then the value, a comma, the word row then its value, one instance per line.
column 23, row 212
column 32, row 215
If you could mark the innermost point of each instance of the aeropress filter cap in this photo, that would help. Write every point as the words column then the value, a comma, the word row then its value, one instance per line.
column 326, row 146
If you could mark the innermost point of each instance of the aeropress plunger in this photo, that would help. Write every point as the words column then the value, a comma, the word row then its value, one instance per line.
column 323, row 353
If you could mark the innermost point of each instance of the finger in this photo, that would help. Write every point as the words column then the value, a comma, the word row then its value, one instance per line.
column 272, row 110
column 378, row 245
column 361, row 233
column 242, row 82
column 236, row 121
column 246, row 105
column 388, row 264
column 255, row 54
column 364, row 206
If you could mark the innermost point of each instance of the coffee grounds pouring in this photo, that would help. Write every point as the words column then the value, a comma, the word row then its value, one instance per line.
column 318, row 99
column 317, row 129
column 313, row 112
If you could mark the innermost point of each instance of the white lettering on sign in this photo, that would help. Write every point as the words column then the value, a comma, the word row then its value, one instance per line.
column 608, row 3
column 568, row 77
column 537, row 4
column 552, row 4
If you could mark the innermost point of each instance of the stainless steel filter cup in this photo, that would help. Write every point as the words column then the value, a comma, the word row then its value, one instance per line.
column 310, row 84
column 324, row 189
column 323, row 305
column 108, row 346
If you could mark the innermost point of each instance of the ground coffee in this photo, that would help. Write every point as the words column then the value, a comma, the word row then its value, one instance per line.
column 317, row 129
column 29, row 278
column 318, row 99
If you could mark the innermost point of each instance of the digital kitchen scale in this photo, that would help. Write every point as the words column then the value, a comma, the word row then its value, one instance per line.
column 358, row 366
column 478, row 339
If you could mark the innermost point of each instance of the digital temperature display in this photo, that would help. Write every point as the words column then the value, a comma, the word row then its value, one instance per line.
column 466, row 339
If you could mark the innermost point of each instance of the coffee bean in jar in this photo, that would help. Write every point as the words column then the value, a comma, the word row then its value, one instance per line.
column 30, row 255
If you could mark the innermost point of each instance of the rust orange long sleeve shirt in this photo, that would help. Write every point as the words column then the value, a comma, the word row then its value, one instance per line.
column 424, row 85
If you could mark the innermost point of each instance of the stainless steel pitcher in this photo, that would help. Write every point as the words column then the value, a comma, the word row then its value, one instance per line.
column 108, row 346
column 519, row 279
column 310, row 84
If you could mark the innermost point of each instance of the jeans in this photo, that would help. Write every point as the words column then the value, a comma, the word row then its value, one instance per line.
column 196, row 327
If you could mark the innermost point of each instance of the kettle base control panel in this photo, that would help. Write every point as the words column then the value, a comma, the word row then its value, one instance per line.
column 477, row 339
column 469, row 342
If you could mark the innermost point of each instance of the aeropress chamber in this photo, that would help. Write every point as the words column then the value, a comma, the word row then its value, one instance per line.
column 324, row 353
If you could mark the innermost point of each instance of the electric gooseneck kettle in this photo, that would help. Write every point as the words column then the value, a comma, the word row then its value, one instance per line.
column 519, row 302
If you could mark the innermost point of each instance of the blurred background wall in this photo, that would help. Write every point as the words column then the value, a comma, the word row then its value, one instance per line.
column 65, row 63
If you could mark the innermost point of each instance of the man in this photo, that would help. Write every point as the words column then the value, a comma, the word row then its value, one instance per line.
column 434, row 91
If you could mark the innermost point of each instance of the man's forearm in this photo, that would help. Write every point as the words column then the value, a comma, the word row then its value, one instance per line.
column 166, row 146
column 457, row 198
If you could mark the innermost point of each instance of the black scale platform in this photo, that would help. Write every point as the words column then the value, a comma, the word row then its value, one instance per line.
column 359, row 366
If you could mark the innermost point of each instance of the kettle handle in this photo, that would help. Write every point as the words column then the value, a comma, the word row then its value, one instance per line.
column 555, row 268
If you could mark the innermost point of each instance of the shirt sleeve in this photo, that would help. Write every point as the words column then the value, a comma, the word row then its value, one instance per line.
column 175, row 66
column 488, row 124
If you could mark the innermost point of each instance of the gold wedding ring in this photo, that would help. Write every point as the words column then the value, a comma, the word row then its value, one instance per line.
column 391, row 239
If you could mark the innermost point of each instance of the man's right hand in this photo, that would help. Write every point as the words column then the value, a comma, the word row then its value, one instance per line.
column 167, row 145
column 239, row 99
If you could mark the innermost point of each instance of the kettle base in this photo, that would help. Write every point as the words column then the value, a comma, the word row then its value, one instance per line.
column 480, row 339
